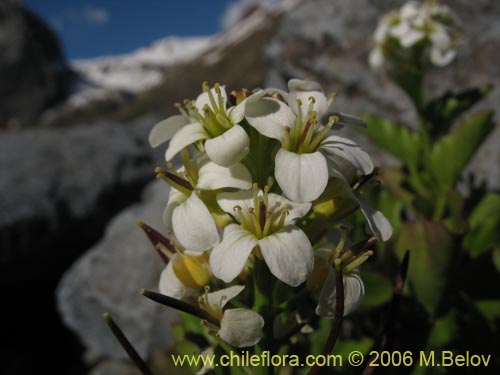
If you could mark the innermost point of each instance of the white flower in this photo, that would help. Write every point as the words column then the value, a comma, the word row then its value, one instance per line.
column 184, row 274
column 427, row 24
column 308, row 151
column 238, row 327
column 354, row 291
column 266, row 226
column 208, row 120
column 186, row 214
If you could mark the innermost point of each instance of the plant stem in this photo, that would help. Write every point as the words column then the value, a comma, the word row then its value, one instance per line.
column 337, row 319
column 127, row 346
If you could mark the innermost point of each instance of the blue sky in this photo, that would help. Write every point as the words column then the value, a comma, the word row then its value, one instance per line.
column 90, row 28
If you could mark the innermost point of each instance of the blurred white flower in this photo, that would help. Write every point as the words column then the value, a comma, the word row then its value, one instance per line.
column 416, row 23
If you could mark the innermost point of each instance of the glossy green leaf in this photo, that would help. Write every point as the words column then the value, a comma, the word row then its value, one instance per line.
column 394, row 138
column 431, row 254
column 450, row 155
column 484, row 224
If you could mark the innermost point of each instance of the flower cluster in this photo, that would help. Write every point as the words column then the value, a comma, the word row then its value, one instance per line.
column 426, row 28
column 261, row 178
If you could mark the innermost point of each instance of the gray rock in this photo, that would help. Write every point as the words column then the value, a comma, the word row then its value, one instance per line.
column 33, row 71
column 109, row 277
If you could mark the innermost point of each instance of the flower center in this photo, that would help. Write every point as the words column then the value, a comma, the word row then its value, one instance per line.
column 306, row 135
column 213, row 117
column 348, row 258
column 261, row 219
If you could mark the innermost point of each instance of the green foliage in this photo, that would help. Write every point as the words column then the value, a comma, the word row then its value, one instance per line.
column 378, row 289
column 394, row 138
column 431, row 253
column 451, row 153
column 484, row 226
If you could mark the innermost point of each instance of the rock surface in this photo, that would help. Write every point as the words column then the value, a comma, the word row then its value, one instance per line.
column 57, row 192
column 109, row 278
column 33, row 71
column 329, row 42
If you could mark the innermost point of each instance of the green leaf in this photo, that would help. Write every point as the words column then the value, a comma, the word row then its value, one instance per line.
column 444, row 330
column 394, row 138
column 484, row 224
column 490, row 308
column 378, row 289
column 441, row 112
column 451, row 153
column 431, row 254
column 455, row 222
column 496, row 258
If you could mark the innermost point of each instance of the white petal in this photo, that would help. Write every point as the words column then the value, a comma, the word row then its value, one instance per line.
column 170, row 285
column 440, row 57
column 303, row 90
column 288, row 254
column 203, row 99
column 381, row 31
column 376, row 58
column 184, row 137
column 212, row 176
column 165, row 129
column 193, row 225
column 241, row 327
column 302, row 177
column 409, row 36
column 223, row 296
column 377, row 222
column 295, row 210
column 228, row 148
column 354, row 291
column 237, row 113
column 269, row 117
column 440, row 39
column 243, row 198
column 348, row 150
column 409, row 10
column 229, row 256
column 175, row 198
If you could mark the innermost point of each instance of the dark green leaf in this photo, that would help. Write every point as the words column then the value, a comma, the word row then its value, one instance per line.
column 441, row 112
column 431, row 253
column 451, row 153
column 394, row 138
column 484, row 224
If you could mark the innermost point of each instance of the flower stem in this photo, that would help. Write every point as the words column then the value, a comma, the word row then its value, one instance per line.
column 337, row 319
column 127, row 346
column 179, row 305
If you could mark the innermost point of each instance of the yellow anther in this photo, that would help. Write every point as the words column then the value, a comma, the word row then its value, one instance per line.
column 177, row 105
column 299, row 102
column 237, row 208
column 205, row 86
column 217, row 88
column 312, row 99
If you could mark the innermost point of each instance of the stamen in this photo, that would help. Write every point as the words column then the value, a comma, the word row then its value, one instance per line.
column 219, row 98
column 212, row 99
column 266, row 196
column 331, row 98
column 283, row 215
column 256, row 205
column 205, row 87
column 245, row 222
column 358, row 261
column 256, row 224
column 277, row 96
column 340, row 246
column 267, row 224
column 286, row 143
column 191, row 172
column 222, row 120
column 323, row 132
